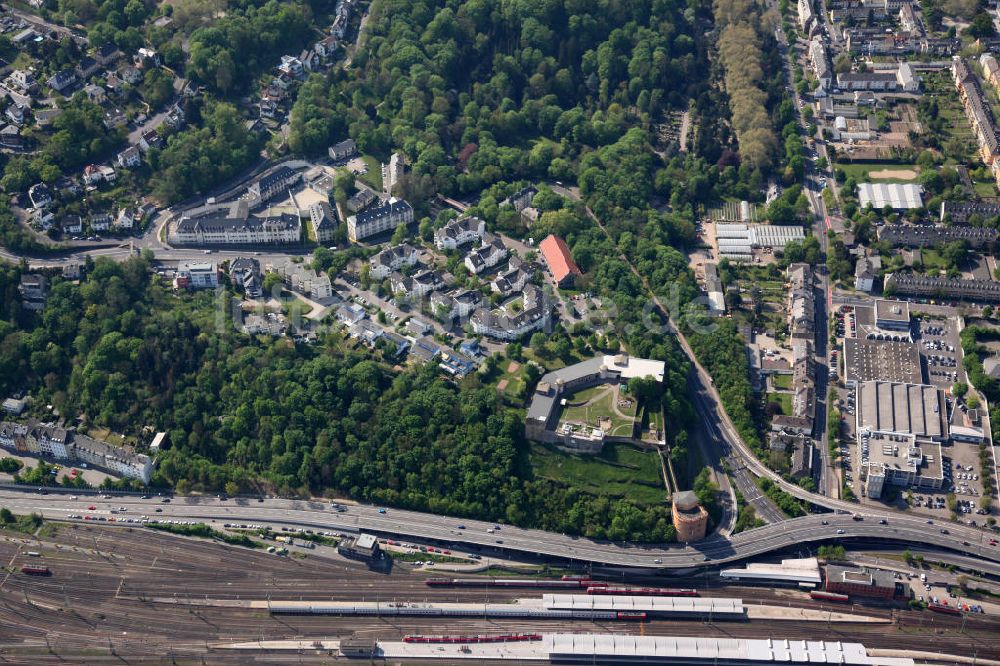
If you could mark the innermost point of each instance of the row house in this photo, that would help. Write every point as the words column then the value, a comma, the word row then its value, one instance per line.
column 977, row 110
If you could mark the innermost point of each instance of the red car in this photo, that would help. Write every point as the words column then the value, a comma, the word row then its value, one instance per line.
column 91, row 508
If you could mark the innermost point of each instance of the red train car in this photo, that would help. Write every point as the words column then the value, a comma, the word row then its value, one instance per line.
column 510, row 582
column 638, row 615
column 642, row 591
column 35, row 571
column 941, row 608
column 820, row 595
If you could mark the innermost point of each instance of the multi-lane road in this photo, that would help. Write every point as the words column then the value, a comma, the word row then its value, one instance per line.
column 711, row 552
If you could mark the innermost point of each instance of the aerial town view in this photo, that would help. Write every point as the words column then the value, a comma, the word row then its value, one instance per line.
column 485, row 331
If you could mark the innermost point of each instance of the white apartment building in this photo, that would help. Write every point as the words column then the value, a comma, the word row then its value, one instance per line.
column 379, row 219
column 459, row 232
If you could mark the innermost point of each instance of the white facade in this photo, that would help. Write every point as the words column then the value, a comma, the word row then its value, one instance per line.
column 200, row 274
column 379, row 219
column 459, row 232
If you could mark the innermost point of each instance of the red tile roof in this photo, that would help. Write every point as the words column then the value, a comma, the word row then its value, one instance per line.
column 558, row 257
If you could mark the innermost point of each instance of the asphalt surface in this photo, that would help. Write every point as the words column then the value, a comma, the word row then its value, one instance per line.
column 711, row 552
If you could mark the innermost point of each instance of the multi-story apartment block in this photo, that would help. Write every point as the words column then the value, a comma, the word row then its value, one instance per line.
column 232, row 224
column 379, row 219
column 459, row 232
column 392, row 259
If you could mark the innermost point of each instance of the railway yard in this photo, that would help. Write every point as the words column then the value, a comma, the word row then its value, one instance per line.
column 135, row 595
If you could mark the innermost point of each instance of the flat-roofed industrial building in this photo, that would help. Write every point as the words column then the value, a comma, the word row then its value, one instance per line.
column 884, row 360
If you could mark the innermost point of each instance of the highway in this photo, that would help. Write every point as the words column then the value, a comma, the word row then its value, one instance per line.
column 711, row 552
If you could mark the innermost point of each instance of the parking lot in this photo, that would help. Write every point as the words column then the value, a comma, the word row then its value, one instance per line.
column 940, row 349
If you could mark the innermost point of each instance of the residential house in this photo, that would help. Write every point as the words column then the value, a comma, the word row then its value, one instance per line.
column 100, row 222
column 455, row 364
column 509, row 323
column 350, row 314
column 425, row 349
column 459, row 232
column 303, row 279
column 113, row 116
column 34, row 289
column 392, row 259
column 366, row 331
column 130, row 75
column 460, row 303
column 62, row 80
column 417, row 327
column 291, row 66
column 197, row 275
column 92, row 175
column 129, row 158
column 520, row 199
column 274, row 183
column 415, row 286
column 146, row 57
column 244, row 273
column 107, row 54
column 511, row 280
column 343, row 150
column 361, row 200
column 23, row 80
column 16, row 113
column 72, row 224
column 487, row 256
column 107, row 173
column 95, row 93
column 324, row 221
column 310, row 60
column 10, row 137
column 395, row 343
column 326, row 48
column 268, row 109
column 125, row 220
column 39, row 195
column 86, row 67
column 72, row 270
column 149, row 140
column 864, row 275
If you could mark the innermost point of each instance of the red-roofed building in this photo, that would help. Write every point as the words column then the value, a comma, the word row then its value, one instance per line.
column 559, row 260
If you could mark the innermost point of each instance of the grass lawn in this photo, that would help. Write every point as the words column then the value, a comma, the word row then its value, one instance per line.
column 601, row 407
column 782, row 381
column 985, row 189
column 619, row 470
column 374, row 175
column 783, row 399
column 861, row 171
column 932, row 259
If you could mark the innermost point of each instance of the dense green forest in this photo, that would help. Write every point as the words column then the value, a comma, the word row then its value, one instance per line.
column 123, row 351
